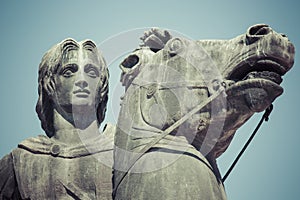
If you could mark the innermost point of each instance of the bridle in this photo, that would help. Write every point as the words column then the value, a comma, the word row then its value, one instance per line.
column 220, row 93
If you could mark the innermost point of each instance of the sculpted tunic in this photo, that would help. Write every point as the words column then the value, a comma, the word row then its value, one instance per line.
column 42, row 169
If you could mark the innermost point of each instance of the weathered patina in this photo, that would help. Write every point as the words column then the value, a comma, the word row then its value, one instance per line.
column 165, row 79
column 74, row 161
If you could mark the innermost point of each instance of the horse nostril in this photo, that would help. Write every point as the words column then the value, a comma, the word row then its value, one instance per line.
column 256, row 32
column 260, row 29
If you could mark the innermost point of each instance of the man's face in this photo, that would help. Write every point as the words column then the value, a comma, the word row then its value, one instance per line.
column 77, row 81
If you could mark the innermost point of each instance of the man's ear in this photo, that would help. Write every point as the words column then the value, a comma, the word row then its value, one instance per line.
column 49, row 85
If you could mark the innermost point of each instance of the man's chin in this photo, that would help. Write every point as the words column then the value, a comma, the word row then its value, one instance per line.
column 81, row 102
column 83, row 108
column 78, row 107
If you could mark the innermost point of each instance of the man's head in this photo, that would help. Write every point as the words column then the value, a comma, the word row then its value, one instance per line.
column 71, row 74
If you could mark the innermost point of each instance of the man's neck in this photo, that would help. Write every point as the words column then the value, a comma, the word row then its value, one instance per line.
column 72, row 133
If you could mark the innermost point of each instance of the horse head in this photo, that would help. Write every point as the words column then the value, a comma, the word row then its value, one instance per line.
column 176, row 74
column 183, row 103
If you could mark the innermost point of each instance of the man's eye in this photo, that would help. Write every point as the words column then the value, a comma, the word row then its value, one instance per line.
column 67, row 73
column 69, row 70
column 93, row 73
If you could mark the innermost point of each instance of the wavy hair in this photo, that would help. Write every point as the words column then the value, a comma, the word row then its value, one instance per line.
column 51, row 62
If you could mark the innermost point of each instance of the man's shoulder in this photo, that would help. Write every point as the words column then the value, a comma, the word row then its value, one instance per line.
column 38, row 144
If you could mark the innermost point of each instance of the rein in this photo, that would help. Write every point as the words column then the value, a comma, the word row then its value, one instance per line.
column 265, row 117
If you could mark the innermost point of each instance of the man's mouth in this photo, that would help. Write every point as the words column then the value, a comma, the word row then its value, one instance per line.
column 82, row 93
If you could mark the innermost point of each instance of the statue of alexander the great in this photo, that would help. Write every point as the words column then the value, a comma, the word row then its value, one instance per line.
column 65, row 164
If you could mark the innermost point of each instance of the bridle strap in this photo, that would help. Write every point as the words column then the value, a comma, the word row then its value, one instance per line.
column 265, row 117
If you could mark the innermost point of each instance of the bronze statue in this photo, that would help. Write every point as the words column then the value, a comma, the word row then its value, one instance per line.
column 74, row 160
column 183, row 103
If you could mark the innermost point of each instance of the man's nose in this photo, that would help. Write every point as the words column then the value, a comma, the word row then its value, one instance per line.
column 81, row 83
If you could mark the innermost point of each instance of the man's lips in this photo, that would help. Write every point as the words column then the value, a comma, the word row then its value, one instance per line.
column 82, row 93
